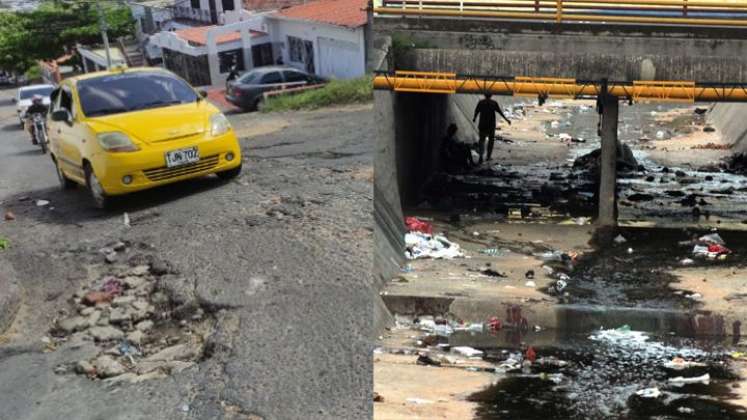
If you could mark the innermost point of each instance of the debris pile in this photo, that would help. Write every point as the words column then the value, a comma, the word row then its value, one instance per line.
column 711, row 246
column 141, row 316
column 421, row 245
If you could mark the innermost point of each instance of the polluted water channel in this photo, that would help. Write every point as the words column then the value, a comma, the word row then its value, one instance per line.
column 549, row 184
column 605, row 374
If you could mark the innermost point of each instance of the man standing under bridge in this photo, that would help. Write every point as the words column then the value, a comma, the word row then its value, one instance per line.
column 486, row 109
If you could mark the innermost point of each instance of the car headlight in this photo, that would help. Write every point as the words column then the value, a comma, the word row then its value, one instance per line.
column 219, row 124
column 116, row 141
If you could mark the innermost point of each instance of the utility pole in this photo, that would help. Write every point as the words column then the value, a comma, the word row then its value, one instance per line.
column 104, row 36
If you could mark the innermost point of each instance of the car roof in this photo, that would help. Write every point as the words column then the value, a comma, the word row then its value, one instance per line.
column 124, row 70
column 267, row 69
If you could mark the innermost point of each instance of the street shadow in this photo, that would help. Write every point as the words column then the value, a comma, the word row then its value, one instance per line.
column 11, row 127
column 30, row 152
column 74, row 207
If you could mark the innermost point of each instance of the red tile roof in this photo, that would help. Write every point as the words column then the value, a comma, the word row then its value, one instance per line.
column 348, row 13
column 198, row 35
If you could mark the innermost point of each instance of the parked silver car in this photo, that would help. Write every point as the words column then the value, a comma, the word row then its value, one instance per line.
column 247, row 90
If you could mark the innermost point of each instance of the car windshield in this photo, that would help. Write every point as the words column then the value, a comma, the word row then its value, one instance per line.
column 43, row 91
column 251, row 78
column 127, row 92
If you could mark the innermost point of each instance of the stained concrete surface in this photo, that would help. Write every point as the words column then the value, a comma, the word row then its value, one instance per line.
column 274, row 253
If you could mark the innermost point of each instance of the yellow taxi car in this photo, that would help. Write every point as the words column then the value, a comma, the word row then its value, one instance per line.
column 126, row 130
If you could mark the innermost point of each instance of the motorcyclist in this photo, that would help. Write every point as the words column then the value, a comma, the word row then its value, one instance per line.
column 37, row 107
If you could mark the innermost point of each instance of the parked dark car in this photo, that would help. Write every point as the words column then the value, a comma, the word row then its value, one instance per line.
column 247, row 90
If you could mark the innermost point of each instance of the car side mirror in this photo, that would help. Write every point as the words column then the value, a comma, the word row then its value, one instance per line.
column 203, row 93
column 14, row 100
column 62, row 115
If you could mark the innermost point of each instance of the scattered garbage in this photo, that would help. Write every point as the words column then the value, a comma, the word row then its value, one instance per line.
column 559, row 286
column 551, row 361
column 413, row 224
column 112, row 286
column 494, row 324
column 426, row 360
column 42, row 203
column 407, row 269
column 530, row 354
column 619, row 239
column 9, row 216
column 377, row 397
column 530, row 283
column 687, row 261
column 713, row 238
column 685, row 410
column 467, row 351
column 694, row 296
column 649, row 393
column 679, row 363
column 429, row 325
column 678, row 381
column 126, row 218
column 419, row 401
column 491, row 251
column 492, row 273
column 420, row 245
column 529, row 274
column 4, row 244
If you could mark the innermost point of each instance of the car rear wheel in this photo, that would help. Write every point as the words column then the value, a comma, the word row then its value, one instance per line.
column 258, row 103
column 65, row 182
column 100, row 199
column 229, row 174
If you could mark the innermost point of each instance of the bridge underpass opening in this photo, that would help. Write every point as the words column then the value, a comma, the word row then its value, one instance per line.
column 672, row 164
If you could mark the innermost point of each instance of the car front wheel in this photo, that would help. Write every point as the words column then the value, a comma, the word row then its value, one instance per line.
column 65, row 182
column 100, row 199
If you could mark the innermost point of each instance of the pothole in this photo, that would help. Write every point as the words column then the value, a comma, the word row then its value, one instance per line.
column 138, row 318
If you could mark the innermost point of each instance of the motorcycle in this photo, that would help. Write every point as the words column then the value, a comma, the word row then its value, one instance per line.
column 39, row 127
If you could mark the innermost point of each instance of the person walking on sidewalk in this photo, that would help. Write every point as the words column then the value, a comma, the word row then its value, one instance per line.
column 486, row 109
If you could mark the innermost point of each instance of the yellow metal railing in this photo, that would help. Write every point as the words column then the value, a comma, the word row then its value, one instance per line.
column 639, row 91
column 643, row 12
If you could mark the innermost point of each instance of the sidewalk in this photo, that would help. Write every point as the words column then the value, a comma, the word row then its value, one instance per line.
column 216, row 96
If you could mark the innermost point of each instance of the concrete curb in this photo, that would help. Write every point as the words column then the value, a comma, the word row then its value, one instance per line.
column 10, row 299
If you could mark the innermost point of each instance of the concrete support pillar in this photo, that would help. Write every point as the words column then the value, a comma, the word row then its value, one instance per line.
column 608, row 168
column 212, row 56
column 389, row 228
column 246, row 46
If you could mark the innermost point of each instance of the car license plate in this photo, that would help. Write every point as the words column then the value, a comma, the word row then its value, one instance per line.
column 182, row 157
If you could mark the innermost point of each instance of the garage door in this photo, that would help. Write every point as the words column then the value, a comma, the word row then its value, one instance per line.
column 339, row 59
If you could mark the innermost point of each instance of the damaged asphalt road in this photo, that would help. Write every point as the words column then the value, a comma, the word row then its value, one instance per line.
column 268, row 257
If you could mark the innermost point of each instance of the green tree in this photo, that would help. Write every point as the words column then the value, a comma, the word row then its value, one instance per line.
column 55, row 27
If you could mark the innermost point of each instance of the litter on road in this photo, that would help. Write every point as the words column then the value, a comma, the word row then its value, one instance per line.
column 467, row 351
column 679, row 363
column 420, row 245
column 413, row 224
column 649, row 393
column 704, row 379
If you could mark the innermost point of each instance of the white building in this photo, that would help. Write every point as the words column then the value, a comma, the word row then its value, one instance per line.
column 324, row 37
column 203, row 55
